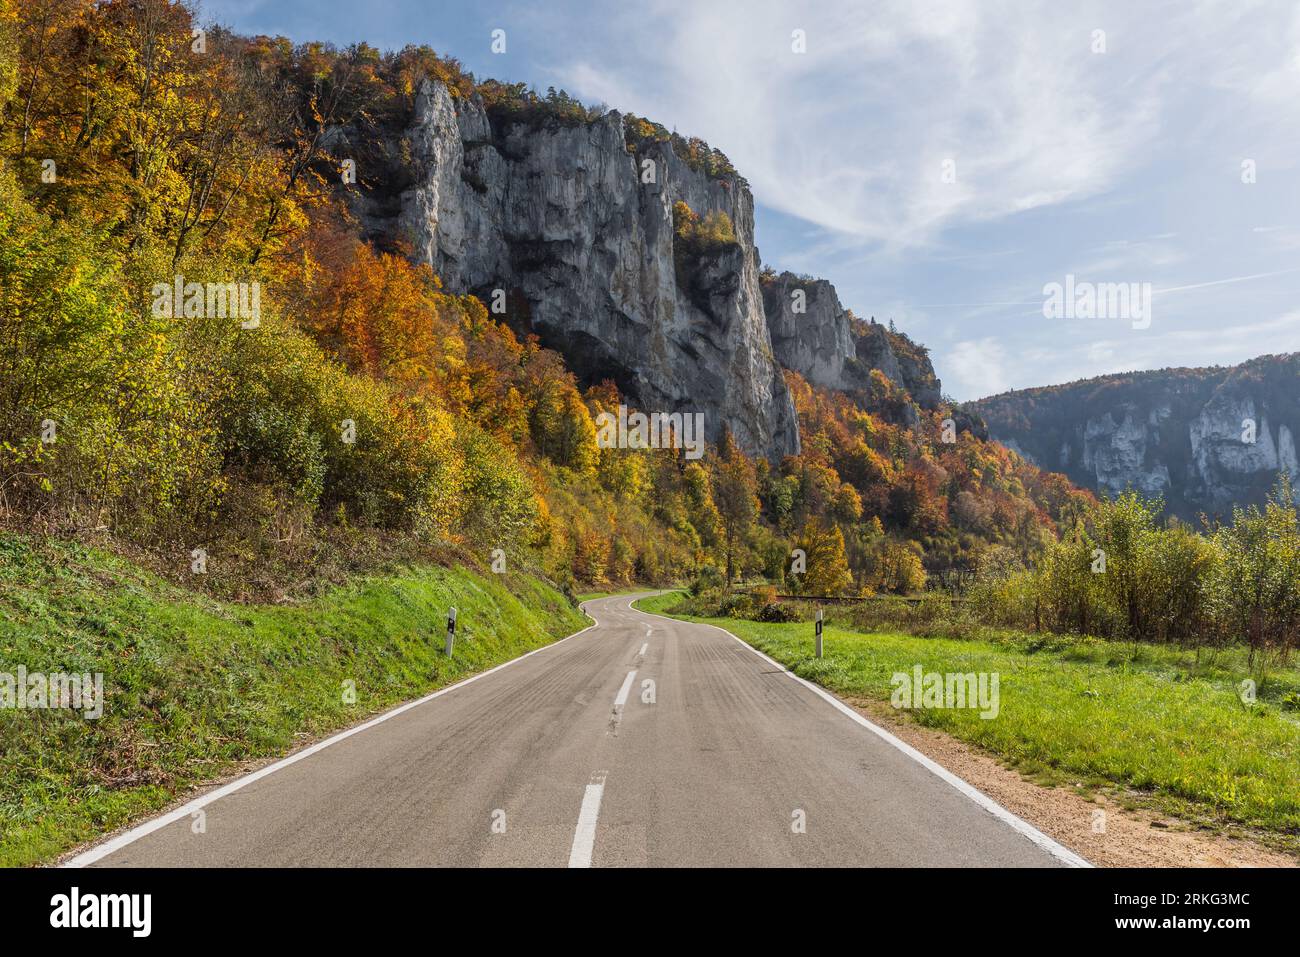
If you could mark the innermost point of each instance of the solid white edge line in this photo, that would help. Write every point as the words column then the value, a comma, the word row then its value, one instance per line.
column 114, row 844
column 1056, row 849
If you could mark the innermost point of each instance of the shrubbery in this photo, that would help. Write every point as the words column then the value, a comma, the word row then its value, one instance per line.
column 1121, row 573
column 775, row 612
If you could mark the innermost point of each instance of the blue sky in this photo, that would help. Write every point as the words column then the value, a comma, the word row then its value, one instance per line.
column 1114, row 156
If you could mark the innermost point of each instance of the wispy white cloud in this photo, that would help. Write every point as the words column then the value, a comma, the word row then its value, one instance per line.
column 1225, row 282
column 854, row 134
column 977, row 367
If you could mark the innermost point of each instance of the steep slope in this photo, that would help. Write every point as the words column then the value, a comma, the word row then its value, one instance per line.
column 569, row 226
column 372, row 411
column 1205, row 439
column 193, row 687
column 566, row 230
column 815, row 336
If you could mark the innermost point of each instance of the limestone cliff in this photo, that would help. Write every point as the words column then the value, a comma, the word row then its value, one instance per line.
column 564, row 221
column 1205, row 439
column 814, row 335
column 565, row 226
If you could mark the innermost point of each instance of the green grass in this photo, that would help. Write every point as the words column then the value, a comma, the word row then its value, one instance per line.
column 1085, row 710
column 194, row 687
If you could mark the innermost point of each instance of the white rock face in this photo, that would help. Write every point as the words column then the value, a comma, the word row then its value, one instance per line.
column 1206, row 439
column 1286, row 455
column 822, row 345
column 1116, row 454
column 817, row 342
column 559, row 219
column 1221, row 456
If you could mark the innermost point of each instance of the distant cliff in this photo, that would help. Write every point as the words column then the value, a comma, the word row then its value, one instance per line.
column 814, row 335
column 1205, row 439
column 571, row 226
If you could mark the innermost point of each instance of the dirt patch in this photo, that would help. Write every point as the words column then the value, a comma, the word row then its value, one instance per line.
column 1119, row 837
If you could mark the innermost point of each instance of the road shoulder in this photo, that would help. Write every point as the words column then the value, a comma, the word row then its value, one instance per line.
column 1121, row 837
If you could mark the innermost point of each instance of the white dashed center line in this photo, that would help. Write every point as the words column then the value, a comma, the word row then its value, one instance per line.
column 584, row 838
column 623, row 691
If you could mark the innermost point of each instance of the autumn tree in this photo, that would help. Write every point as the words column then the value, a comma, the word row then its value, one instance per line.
column 899, row 568
column 827, row 571
column 734, row 487
column 701, row 510
column 1256, row 583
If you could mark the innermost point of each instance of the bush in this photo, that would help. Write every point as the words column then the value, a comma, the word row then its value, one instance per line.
column 774, row 612
column 707, row 579
column 933, row 606
column 1008, row 601
column 1119, row 573
column 737, row 605
column 1255, row 585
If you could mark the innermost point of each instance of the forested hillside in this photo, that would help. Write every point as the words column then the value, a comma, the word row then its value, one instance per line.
column 1203, row 440
column 211, row 359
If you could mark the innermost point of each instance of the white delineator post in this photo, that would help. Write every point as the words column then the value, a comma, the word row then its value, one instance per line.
column 819, row 632
column 451, row 630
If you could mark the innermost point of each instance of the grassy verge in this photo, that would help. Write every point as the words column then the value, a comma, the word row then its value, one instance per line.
column 630, row 590
column 195, row 686
column 1084, row 710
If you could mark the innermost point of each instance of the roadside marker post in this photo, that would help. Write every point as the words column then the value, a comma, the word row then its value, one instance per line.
column 819, row 632
column 451, row 630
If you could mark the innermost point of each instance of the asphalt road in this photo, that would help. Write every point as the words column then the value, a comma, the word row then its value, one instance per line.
column 568, row 757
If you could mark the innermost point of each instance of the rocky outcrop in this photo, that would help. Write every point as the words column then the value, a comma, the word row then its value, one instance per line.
column 555, row 224
column 814, row 335
column 811, row 333
column 1116, row 452
column 1233, row 443
column 1204, row 439
column 877, row 347
column 565, row 227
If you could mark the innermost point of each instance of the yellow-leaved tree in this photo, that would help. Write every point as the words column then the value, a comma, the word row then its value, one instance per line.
column 827, row 567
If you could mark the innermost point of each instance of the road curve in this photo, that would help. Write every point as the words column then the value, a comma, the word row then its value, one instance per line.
column 640, row 742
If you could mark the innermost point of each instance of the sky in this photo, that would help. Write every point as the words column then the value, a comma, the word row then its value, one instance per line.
column 942, row 162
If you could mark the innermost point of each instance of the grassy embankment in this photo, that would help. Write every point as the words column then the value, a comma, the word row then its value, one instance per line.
column 194, row 687
column 1086, row 711
column 631, row 590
